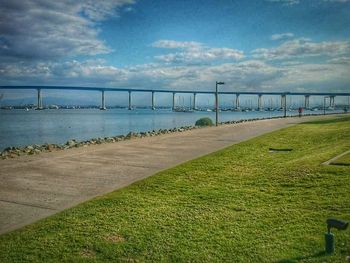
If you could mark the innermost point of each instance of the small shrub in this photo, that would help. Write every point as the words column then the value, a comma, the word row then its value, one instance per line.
column 204, row 122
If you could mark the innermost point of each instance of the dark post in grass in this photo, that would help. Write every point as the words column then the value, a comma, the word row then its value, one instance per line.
column 217, row 101
column 329, row 237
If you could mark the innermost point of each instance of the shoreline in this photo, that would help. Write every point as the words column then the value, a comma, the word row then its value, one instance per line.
column 14, row 152
column 240, row 183
column 37, row 186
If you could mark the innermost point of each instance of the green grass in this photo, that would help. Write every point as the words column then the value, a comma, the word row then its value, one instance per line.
column 241, row 204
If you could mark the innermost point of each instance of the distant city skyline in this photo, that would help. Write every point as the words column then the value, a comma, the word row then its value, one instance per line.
column 271, row 45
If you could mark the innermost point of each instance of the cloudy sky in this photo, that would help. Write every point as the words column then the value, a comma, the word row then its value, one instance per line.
column 290, row 45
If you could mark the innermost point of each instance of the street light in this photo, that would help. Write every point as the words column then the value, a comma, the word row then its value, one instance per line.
column 217, row 101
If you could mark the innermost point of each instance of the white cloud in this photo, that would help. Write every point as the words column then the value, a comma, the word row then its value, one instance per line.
column 246, row 75
column 294, row 2
column 37, row 34
column 202, row 55
column 282, row 36
column 86, row 73
column 195, row 52
column 38, row 29
column 172, row 44
column 337, row 1
column 317, row 76
column 302, row 48
column 291, row 63
column 100, row 10
column 340, row 60
column 192, row 70
column 285, row 2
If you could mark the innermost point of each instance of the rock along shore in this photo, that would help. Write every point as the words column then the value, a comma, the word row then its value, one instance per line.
column 13, row 152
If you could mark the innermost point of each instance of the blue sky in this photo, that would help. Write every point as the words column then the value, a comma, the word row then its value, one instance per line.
column 242, row 25
column 291, row 45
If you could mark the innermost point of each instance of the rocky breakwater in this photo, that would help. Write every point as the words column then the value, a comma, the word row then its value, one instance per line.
column 12, row 152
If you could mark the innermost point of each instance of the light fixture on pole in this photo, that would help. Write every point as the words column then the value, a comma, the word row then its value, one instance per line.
column 217, row 101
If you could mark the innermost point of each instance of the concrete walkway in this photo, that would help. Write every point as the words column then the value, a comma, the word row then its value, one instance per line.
column 34, row 187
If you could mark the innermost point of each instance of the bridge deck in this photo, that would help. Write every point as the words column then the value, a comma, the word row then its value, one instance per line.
column 174, row 91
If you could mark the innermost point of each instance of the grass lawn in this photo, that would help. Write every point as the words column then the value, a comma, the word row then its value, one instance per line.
column 240, row 204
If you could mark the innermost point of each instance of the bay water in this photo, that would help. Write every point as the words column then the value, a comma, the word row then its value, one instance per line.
column 21, row 128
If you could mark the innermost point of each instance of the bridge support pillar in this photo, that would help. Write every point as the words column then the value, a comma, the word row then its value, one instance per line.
column 153, row 104
column 282, row 102
column 194, row 101
column 307, row 102
column 39, row 105
column 174, row 100
column 260, row 102
column 237, row 102
column 130, row 107
column 103, row 104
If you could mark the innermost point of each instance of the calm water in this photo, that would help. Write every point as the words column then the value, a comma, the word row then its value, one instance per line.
column 20, row 128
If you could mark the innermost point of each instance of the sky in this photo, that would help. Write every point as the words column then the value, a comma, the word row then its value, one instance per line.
column 262, row 45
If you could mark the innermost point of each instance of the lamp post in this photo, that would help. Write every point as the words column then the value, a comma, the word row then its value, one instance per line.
column 217, row 101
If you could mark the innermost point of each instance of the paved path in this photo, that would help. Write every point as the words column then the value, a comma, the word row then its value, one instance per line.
column 34, row 187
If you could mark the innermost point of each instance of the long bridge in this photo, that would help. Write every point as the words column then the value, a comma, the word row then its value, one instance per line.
column 259, row 94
